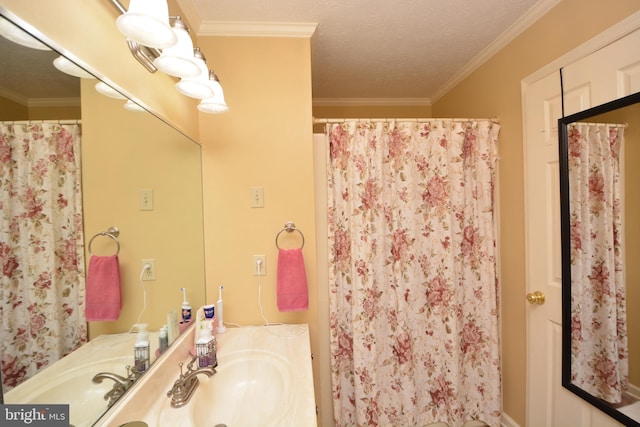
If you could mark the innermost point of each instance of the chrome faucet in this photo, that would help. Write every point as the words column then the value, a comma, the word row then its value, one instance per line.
column 121, row 384
column 186, row 384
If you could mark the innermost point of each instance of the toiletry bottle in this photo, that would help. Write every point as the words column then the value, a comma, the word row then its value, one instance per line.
column 141, row 349
column 205, row 348
column 186, row 308
column 163, row 339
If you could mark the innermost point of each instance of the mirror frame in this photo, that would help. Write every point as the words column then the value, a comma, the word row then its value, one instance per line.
column 563, row 124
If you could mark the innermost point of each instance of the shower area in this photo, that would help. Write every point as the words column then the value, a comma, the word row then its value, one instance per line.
column 413, row 292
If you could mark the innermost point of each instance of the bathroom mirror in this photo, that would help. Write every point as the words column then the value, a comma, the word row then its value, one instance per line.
column 123, row 153
column 600, row 252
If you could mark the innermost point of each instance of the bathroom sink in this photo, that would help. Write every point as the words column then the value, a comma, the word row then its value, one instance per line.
column 250, row 388
column 74, row 387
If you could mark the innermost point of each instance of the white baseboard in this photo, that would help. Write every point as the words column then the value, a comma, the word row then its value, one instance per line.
column 507, row 421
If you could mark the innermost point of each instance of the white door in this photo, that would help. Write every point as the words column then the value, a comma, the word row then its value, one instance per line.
column 606, row 74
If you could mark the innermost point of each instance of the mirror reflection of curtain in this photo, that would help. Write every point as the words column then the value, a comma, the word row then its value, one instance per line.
column 412, row 274
column 41, row 247
column 599, row 353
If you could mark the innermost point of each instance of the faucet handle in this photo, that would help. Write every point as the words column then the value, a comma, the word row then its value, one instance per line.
column 190, row 365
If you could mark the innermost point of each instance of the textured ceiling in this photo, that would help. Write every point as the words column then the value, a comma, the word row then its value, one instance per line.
column 390, row 51
column 381, row 48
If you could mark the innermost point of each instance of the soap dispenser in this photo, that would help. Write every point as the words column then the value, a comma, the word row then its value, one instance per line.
column 141, row 349
column 206, row 349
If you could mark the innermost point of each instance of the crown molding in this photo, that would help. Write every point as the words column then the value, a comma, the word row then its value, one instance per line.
column 517, row 28
column 377, row 102
column 6, row 93
column 257, row 29
column 54, row 102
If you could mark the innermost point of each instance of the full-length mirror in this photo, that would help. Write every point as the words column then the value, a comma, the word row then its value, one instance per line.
column 122, row 158
column 599, row 157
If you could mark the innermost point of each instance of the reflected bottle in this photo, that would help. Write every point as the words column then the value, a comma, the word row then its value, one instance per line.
column 141, row 349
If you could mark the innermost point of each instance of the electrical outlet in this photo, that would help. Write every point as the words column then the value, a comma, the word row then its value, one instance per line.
column 150, row 272
column 259, row 265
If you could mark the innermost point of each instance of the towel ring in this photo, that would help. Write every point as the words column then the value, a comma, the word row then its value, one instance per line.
column 112, row 233
column 290, row 227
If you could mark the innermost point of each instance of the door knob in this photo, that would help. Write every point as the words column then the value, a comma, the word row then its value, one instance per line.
column 536, row 297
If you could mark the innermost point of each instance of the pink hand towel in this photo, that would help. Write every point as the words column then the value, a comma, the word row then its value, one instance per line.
column 103, row 289
column 293, row 294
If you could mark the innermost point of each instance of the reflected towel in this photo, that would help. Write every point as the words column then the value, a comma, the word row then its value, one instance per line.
column 103, row 289
column 293, row 294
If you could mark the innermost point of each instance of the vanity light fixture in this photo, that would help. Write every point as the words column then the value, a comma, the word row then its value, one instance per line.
column 179, row 60
column 15, row 34
column 68, row 67
column 216, row 104
column 147, row 23
column 107, row 90
column 132, row 106
column 199, row 86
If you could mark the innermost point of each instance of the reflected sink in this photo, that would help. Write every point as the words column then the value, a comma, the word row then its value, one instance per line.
column 250, row 388
column 72, row 386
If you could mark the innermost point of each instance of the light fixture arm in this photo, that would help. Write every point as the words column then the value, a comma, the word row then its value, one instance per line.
column 143, row 54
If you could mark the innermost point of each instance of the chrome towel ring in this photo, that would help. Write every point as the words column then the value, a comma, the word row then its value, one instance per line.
column 112, row 233
column 290, row 227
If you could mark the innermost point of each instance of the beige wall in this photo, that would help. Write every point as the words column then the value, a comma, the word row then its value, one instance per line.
column 264, row 140
column 123, row 152
column 493, row 90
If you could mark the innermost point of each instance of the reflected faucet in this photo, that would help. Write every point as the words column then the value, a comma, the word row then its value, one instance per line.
column 186, row 384
column 121, row 384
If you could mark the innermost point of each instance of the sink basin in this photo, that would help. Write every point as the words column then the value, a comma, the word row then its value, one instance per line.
column 250, row 388
column 74, row 387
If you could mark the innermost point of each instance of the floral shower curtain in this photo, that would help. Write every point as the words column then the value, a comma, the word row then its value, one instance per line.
column 599, row 354
column 413, row 283
column 41, row 247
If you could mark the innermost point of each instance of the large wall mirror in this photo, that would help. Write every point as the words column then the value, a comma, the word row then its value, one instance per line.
column 599, row 157
column 125, row 154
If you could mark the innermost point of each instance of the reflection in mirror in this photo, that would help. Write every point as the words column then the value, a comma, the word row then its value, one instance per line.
column 122, row 153
column 599, row 154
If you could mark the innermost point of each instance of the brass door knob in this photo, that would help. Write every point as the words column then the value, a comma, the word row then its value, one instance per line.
column 536, row 297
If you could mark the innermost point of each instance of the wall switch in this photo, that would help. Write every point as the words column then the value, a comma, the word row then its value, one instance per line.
column 150, row 272
column 257, row 197
column 259, row 265
column 146, row 200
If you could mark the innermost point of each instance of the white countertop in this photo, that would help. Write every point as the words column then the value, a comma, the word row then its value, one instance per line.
column 264, row 373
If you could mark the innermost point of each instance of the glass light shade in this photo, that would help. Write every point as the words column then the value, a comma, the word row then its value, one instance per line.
column 107, row 90
column 68, row 67
column 17, row 35
column 178, row 60
column 147, row 23
column 216, row 104
column 132, row 106
column 199, row 86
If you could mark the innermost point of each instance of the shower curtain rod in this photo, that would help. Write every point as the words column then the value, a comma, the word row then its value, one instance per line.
column 417, row 120
column 26, row 122
column 618, row 125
